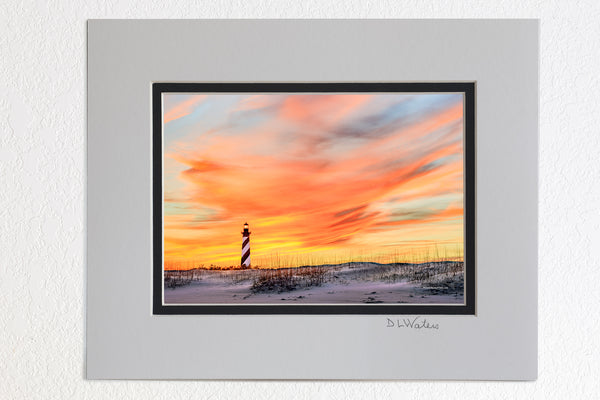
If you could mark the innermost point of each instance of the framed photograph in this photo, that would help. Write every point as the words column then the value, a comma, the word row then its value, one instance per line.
column 312, row 199
column 324, row 198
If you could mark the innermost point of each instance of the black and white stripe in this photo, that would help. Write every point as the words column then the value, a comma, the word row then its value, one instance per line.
column 246, row 251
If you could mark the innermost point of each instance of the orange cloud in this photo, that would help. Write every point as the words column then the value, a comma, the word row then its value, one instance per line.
column 182, row 109
column 305, row 191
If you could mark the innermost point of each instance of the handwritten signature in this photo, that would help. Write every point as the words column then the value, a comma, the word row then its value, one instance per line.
column 411, row 323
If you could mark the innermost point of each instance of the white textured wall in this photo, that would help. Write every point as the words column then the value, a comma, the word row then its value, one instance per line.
column 42, row 190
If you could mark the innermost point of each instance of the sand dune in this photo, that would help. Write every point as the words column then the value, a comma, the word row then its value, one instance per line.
column 349, row 283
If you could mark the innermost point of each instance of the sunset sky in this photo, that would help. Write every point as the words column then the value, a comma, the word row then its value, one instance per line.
column 319, row 177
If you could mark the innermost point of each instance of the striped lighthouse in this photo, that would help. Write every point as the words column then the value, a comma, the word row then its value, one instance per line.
column 245, row 247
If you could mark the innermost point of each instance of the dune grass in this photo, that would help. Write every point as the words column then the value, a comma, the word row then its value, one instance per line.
column 431, row 268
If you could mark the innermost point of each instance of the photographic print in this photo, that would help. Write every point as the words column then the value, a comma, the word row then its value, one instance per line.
column 313, row 198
